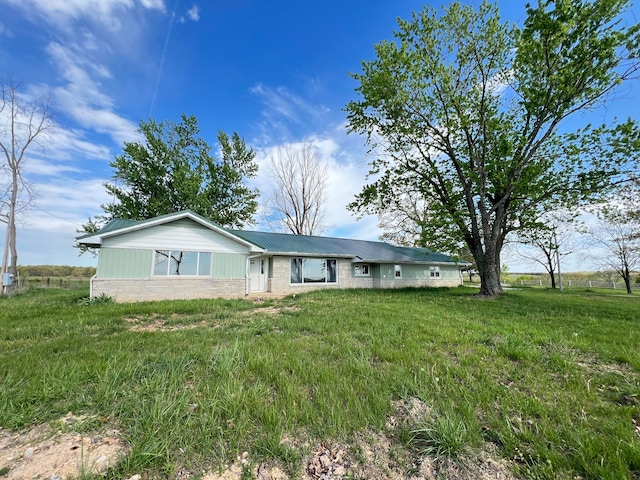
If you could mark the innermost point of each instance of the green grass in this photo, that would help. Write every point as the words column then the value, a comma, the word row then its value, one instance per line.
column 540, row 375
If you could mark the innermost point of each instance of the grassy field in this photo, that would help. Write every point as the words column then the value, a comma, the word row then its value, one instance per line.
column 549, row 381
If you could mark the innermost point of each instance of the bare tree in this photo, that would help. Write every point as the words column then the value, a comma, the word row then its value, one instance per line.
column 299, row 190
column 405, row 220
column 22, row 121
column 620, row 247
column 554, row 239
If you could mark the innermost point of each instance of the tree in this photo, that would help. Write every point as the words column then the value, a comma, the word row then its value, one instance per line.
column 546, row 244
column 466, row 111
column 299, row 190
column 174, row 170
column 619, row 244
column 22, row 121
column 405, row 220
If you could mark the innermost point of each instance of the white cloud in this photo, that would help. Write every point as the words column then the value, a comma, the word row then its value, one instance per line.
column 194, row 13
column 83, row 98
column 64, row 12
column 5, row 31
column 281, row 104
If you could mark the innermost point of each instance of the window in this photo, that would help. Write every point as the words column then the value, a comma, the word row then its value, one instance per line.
column 361, row 270
column 434, row 272
column 397, row 271
column 314, row 270
column 175, row 262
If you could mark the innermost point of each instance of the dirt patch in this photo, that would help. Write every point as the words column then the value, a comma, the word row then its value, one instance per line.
column 44, row 452
column 408, row 412
column 160, row 325
column 58, row 451
column 272, row 311
column 375, row 456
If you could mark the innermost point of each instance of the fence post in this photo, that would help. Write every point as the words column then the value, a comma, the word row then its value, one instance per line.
column 589, row 283
column 614, row 285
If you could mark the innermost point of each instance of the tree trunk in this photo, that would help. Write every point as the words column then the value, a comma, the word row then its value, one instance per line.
column 11, row 233
column 627, row 280
column 553, row 279
column 488, row 270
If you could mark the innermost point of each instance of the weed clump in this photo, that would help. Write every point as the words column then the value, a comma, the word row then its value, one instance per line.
column 102, row 299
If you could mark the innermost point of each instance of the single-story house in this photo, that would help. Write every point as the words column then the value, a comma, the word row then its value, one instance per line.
column 184, row 255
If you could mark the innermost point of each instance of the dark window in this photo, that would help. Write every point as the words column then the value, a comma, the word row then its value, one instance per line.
column 314, row 270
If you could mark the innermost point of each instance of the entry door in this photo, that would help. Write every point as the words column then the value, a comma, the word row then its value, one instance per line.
column 258, row 274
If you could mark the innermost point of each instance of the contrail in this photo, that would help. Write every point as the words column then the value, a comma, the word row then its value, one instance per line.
column 164, row 56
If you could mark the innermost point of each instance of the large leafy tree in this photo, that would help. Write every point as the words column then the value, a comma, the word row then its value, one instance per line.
column 173, row 169
column 466, row 110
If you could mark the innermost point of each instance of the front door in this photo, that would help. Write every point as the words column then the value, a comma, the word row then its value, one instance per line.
column 258, row 274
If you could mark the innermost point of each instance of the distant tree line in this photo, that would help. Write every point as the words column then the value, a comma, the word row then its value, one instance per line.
column 55, row 271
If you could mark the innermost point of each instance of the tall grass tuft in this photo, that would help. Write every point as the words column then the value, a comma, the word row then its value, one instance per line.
column 441, row 436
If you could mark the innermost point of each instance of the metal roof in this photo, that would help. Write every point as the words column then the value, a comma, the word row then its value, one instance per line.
column 289, row 244
column 365, row 251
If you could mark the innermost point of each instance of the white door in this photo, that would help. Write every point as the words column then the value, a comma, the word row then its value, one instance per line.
column 258, row 274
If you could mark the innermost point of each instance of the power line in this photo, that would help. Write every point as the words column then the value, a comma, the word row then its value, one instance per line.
column 58, row 216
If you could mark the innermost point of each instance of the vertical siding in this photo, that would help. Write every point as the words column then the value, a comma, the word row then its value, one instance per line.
column 417, row 272
column 137, row 263
column 387, row 271
column 228, row 265
column 124, row 263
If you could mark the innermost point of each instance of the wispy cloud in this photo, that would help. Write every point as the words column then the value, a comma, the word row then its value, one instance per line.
column 64, row 12
column 194, row 13
column 281, row 103
column 83, row 98
column 4, row 31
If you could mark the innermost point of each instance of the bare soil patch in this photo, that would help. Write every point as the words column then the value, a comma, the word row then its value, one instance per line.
column 161, row 325
column 49, row 453
column 375, row 456
column 272, row 311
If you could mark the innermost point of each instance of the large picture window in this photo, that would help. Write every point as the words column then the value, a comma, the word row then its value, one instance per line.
column 314, row 270
column 176, row 262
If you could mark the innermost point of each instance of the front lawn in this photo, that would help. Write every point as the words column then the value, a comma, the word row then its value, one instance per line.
column 547, row 381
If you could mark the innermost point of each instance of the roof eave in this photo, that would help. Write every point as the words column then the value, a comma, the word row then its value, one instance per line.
column 166, row 219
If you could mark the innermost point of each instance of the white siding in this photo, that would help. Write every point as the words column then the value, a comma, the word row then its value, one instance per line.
column 183, row 234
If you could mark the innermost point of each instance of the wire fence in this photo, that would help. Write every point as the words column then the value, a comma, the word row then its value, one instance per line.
column 25, row 283
column 568, row 283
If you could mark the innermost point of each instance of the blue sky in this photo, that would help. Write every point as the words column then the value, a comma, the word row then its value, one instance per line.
column 274, row 71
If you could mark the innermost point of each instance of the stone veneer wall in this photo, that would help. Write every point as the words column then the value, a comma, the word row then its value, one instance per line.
column 168, row 288
column 280, row 283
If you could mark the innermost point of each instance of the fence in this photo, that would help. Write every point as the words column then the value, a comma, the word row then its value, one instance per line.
column 24, row 283
column 568, row 283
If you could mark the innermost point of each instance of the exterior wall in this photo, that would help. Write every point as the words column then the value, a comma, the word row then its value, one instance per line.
column 228, row 265
column 381, row 276
column 168, row 288
column 124, row 263
column 183, row 234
